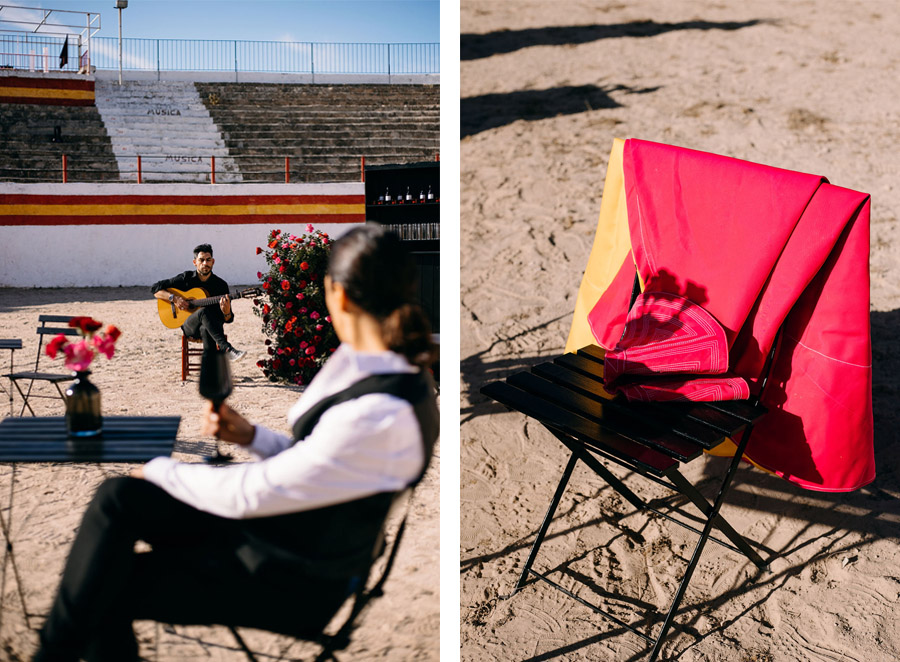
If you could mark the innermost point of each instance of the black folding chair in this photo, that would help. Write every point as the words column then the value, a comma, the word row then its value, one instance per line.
column 12, row 344
column 36, row 375
column 360, row 598
column 653, row 440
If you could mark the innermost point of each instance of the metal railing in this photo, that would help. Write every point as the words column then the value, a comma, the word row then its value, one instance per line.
column 26, row 51
column 65, row 167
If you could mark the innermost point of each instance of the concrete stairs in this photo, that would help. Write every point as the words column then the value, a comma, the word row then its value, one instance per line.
column 167, row 125
column 325, row 130
column 30, row 151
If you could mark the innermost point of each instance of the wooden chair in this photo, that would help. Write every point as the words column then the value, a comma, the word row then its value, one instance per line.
column 37, row 375
column 191, row 354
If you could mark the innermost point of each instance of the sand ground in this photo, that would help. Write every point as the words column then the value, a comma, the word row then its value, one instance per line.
column 546, row 86
column 43, row 507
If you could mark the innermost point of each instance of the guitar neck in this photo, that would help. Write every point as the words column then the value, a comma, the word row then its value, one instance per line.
column 208, row 301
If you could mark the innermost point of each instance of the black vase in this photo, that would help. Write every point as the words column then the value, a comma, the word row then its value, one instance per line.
column 83, row 418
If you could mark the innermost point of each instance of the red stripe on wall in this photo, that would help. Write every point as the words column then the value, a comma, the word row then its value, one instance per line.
column 46, row 101
column 51, row 83
column 76, row 221
column 169, row 199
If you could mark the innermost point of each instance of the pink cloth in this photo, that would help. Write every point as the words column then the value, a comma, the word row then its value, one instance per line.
column 670, row 335
column 760, row 249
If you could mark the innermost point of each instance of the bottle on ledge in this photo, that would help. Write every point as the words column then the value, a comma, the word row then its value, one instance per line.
column 380, row 200
column 408, row 196
column 430, row 194
column 421, row 197
column 387, row 196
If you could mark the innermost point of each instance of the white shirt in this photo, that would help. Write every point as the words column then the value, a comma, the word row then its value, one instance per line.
column 360, row 447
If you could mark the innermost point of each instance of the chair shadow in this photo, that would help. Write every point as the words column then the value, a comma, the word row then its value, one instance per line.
column 476, row 372
column 477, row 46
column 873, row 510
column 490, row 111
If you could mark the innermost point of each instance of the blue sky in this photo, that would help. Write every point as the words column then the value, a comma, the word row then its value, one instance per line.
column 394, row 21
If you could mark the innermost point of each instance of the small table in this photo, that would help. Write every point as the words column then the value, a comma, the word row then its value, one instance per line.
column 44, row 439
column 124, row 439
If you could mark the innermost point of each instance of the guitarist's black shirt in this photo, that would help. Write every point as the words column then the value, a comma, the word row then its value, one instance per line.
column 213, row 286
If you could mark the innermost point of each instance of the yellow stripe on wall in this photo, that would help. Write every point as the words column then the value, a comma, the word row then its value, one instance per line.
column 45, row 93
column 177, row 210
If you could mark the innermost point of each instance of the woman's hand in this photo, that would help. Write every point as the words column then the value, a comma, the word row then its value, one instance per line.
column 227, row 425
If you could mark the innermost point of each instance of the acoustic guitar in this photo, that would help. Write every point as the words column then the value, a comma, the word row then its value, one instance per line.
column 173, row 317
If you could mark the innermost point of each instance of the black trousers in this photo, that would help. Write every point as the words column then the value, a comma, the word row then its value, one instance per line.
column 208, row 324
column 191, row 576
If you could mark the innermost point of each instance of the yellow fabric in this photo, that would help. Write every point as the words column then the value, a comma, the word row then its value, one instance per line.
column 612, row 245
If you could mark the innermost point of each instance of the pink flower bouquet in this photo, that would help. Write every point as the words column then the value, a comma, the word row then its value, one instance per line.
column 80, row 354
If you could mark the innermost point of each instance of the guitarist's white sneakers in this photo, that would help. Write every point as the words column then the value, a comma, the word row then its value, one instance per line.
column 235, row 354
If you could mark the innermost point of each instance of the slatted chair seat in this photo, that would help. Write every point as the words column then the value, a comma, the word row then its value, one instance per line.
column 655, row 440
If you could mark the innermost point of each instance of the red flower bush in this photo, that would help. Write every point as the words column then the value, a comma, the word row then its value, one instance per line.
column 299, row 338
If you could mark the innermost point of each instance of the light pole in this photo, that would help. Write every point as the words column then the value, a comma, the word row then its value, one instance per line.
column 120, row 5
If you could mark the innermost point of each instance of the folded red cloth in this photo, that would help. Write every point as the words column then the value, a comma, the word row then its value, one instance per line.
column 667, row 334
column 702, row 389
column 763, row 249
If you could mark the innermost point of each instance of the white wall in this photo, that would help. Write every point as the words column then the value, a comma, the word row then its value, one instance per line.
column 76, row 255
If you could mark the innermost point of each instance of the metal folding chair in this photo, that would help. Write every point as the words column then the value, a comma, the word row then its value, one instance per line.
column 653, row 440
column 12, row 344
column 36, row 375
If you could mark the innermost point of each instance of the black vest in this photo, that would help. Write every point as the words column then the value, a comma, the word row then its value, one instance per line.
column 338, row 540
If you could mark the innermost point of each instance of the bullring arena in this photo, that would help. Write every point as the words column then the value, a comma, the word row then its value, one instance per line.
column 104, row 189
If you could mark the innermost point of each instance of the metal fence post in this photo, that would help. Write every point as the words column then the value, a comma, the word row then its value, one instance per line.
column 65, row 169
column 139, row 181
column 212, row 178
column 235, row 62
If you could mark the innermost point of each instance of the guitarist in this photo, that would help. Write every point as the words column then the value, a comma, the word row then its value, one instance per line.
column 206, row 323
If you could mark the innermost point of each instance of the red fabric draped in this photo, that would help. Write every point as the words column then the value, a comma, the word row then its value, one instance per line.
column 761, row 248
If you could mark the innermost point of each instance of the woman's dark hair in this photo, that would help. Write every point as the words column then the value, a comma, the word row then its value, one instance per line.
column 379, row 276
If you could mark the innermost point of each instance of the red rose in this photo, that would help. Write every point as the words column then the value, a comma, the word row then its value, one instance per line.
column 113, row 332
column 258, row 250
column 85, row 324
column 55, row 345
column 285, row 284
column 311, row 349
column 302, row 284
column 266, row 285
column 273, row 243
column 304, row 265
column 281, row 269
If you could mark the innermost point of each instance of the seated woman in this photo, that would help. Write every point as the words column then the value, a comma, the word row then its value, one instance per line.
column 278, row 543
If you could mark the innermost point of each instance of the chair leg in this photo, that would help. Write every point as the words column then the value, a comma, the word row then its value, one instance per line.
column 25, row 398
column 698, row 550
column 542, row 532
column 184, row 357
